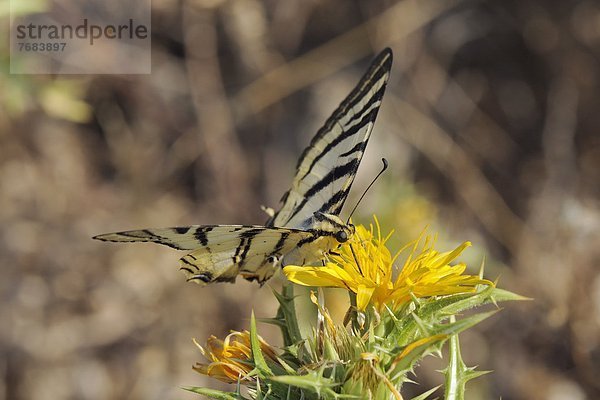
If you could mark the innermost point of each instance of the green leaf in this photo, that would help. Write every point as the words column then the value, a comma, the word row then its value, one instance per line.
column 214, row 394
column 408, row 360
column 257, row 355
column 435, row 310
column 456, row 327
column 505, row 295
column 313, row 382
column 433, row 336
column 329, row 352
column 286, row 367
column 424, row 328
column 486, row 296
column 410, row 328
column 425, row 395
column 286, row 315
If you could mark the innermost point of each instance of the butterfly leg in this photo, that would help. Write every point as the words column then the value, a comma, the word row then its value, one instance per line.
column 320, row 320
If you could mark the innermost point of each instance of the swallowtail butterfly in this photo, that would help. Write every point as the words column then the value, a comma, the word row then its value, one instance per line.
column 307, row 226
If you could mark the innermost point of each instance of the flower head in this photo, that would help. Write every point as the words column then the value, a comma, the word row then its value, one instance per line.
column 231, row 359
column 365, row 266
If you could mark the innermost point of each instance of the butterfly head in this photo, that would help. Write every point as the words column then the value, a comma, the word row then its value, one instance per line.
column 332, row 224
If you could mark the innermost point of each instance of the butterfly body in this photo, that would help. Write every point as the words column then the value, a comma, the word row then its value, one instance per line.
column 307, row 226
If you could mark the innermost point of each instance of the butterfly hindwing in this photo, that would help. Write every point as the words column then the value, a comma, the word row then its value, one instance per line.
column 327, row 167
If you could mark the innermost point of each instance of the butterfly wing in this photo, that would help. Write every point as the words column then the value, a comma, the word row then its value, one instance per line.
column 327, row 167
column 222, row 252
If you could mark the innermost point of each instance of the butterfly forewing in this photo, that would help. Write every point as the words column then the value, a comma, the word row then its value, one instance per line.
column 327, row 167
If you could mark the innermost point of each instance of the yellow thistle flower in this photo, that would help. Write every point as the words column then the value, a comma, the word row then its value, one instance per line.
column 231, row 359
column 366, row 267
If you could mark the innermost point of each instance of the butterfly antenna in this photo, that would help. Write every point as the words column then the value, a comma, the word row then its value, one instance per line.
column 385, row 165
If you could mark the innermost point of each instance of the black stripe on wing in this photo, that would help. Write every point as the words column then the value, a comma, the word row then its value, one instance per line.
column 246, row 239
column 380, row 66
column 337, row 150
column 370, row 117
column 339, row 172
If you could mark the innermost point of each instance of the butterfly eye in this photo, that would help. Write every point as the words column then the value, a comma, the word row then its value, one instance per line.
column 341, row 236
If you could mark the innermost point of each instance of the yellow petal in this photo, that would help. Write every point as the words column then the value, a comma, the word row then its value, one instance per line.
column 446, row 258
column 363, row 296
column 313, row 276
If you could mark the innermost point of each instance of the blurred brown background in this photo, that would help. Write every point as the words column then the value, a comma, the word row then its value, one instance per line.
column 490, row 124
